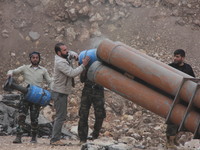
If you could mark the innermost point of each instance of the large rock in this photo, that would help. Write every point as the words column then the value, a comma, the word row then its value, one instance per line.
column 72, row 14
column 60, row 29
column 96, row 17
column 120, row 3
column 95, row 2
column 106, row 145
column 69, row 4
column 95, row 31
column 34, row 35
column 11, row 100
column 49, row 113
column 59, row 38
column 84, row 11
column 135, row 3
column 5, row 33
column 7, row 119
column 85, row 34
column 127, row 140
column 71, row 34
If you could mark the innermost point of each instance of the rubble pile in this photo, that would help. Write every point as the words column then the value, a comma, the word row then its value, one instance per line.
column 9, row 114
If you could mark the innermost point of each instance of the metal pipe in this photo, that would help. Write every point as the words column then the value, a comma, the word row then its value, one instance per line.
column 153, row 60
column 141, row 95
column 19, row 88
column 11, row 85
column 147, row 70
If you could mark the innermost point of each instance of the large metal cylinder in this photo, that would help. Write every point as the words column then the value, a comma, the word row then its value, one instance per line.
column 31, row 93
column 141, row 95
column 151, row 59
column 147, row 70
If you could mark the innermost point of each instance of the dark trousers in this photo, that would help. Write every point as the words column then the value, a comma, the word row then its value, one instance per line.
column 171, row 130
column 60, row 105
column 96, row 98
column 24, row 107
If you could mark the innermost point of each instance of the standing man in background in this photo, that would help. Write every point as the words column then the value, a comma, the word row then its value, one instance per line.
column 178, row 63
column 61, row 87
column 34, row 74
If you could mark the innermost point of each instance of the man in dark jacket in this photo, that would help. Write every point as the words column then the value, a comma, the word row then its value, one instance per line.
column 179, row 57
column 92, row 94
column 178, row 63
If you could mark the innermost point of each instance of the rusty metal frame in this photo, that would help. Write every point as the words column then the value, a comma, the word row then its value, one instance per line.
column 196, row 133
column 189, row 107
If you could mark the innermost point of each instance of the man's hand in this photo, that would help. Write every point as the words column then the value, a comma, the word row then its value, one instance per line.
column 76, row 57
column 86, row 60
column 73, row 55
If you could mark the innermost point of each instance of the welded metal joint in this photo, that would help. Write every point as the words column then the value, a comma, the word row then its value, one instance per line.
column 177, row 97
column 197, row 132
column 189, row 107
column 176, row 100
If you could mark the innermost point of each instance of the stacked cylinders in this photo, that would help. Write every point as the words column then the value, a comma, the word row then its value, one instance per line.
column 157, row 74
column 141, row 95
column 151, row 71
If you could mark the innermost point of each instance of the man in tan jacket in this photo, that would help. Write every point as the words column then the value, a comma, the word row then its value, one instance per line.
column 61, row 86
column 33, row 74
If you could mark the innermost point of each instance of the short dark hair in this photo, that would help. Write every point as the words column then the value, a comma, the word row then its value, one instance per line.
column 57, row 47
column 179, row 52
column 31, row 54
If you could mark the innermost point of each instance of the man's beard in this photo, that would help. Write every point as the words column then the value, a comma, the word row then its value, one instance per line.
column 35, row 63
column 64, row 55
column 177, row 62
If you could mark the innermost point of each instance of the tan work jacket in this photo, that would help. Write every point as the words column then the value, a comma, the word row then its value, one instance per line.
column 63, row 74
column 33, row 76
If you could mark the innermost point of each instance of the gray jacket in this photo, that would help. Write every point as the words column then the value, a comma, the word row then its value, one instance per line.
column 63, row 74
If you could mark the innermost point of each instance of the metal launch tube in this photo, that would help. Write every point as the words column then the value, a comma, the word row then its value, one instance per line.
column 153, row 60
column 141, row 95
column 150, row 71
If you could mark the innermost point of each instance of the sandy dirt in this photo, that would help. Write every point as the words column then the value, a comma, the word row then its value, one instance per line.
column 43, row 144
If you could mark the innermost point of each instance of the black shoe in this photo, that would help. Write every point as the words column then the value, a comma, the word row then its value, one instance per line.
column 91, row 137
column 34, row 138
column 18, row 139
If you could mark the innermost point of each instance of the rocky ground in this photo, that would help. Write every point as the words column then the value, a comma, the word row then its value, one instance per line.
column 156, row 27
